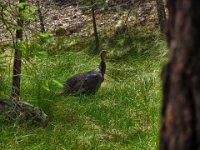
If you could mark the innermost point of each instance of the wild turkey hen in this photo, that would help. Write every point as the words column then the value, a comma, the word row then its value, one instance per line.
column 86, row 83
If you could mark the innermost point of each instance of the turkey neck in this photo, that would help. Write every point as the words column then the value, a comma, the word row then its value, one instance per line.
column 102, row 67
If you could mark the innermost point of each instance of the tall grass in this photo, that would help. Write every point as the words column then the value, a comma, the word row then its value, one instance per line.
column 124, row 114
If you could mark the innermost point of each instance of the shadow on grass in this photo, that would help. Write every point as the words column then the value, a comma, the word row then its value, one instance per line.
column 136, row 43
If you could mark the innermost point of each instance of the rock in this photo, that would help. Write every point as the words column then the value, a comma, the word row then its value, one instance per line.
column 71, row 30
column 12, row 111
column 61, row 31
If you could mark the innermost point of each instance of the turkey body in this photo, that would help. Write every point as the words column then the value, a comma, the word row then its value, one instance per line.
column 86, row 83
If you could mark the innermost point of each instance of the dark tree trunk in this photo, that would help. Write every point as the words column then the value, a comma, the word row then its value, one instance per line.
column 17, row 60
column 161, row 15
column 96, row 50
column 180, row 118
column 41, row 17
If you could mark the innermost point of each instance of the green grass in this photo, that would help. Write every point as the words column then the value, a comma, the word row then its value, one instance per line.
column 123, row 115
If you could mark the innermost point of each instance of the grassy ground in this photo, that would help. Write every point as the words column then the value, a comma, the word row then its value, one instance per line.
column 124, row 114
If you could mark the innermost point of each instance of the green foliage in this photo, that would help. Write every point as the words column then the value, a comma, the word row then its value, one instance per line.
column 26, row 12
column 2, row 72
column 22, row 5
column 36, row 47
column 43, row 37
column 9, row 19
column 8, row 12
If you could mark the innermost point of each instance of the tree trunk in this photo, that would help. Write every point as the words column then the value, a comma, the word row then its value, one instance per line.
column 41, row 17
column 161, row 15
column 180, row 117
column 96, row 50
column 17, row 60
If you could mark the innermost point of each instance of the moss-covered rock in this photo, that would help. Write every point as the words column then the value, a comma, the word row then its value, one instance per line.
column 12, row 111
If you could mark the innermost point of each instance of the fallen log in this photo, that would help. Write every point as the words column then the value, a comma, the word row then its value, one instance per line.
column 17, row 111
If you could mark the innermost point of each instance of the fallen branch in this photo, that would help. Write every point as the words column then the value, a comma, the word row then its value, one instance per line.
column 12, row 111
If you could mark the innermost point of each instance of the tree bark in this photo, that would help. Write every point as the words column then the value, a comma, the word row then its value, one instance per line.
column 180, row 116
column 161, row 15
column 17, row 59
column 41, row 17
column 96, row 50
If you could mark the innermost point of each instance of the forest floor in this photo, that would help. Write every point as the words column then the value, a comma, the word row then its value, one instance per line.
column 125, row 112
column 77, row 20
